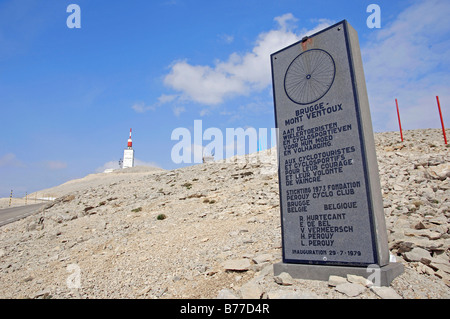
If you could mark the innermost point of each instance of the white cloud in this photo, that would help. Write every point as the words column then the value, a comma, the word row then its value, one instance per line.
column 115, row 165
column 163, row 99
column 108, row 165
column 226, row 38
column 55, row 165
column 178, row 110
column 203, row 84
column 408, row 60
column 285, row 19
column 241, row 74
column 204, row 112
column 141, row 107
column 10, row 160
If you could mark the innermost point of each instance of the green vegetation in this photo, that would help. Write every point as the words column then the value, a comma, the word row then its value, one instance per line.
column 187, row 185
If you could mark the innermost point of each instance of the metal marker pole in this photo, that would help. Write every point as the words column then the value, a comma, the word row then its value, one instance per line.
column 399, row 122
column 10, row 197
column 442, row 120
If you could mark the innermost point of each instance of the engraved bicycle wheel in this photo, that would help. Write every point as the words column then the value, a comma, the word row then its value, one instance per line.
column 309, row 76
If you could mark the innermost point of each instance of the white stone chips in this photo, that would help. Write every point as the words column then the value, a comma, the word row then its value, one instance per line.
column 124, row 252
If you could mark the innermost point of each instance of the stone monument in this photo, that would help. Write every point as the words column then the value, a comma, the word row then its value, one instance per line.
column 331, row 205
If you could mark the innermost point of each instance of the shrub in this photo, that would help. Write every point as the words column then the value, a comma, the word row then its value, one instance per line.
column 161, row 217
column 187, row 185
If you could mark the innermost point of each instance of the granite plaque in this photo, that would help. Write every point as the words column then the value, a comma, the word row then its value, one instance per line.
column 330, row 194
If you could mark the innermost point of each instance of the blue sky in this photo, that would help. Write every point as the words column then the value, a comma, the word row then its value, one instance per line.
column 68, row 97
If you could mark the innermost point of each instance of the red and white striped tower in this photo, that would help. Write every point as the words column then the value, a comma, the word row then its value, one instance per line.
column 128, row 154
column 130, row 142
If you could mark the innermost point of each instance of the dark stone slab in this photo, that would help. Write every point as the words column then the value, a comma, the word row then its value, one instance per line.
column 330, row 195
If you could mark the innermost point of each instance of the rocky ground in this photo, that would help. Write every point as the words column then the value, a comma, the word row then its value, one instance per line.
column 213, row 231
column 89, row 181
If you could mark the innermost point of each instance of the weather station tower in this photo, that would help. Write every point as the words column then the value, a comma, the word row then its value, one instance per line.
column 128, row 154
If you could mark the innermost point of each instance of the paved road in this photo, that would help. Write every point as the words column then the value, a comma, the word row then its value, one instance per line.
column 13, row 214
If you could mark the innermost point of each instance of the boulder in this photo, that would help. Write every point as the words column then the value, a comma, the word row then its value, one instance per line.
column 251, row 290
column 226, row 294
column 284, row 279
column 237, row 265
column 351, row 290
column 385, row 292
column 416, row 254
column 359, row 280
column 262, row 258
column 440, row 172
column 333, row 281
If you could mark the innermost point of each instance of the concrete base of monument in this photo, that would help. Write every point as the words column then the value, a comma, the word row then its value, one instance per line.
column 382, row 276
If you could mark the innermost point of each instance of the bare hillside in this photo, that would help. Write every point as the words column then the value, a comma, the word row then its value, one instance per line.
column 213, row 230
column 89, row 181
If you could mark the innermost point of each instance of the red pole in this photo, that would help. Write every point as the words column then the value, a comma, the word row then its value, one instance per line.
column 399, row 122
column 442, row 120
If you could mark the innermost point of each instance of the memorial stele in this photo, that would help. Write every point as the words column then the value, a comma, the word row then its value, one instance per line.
column 332, row 218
